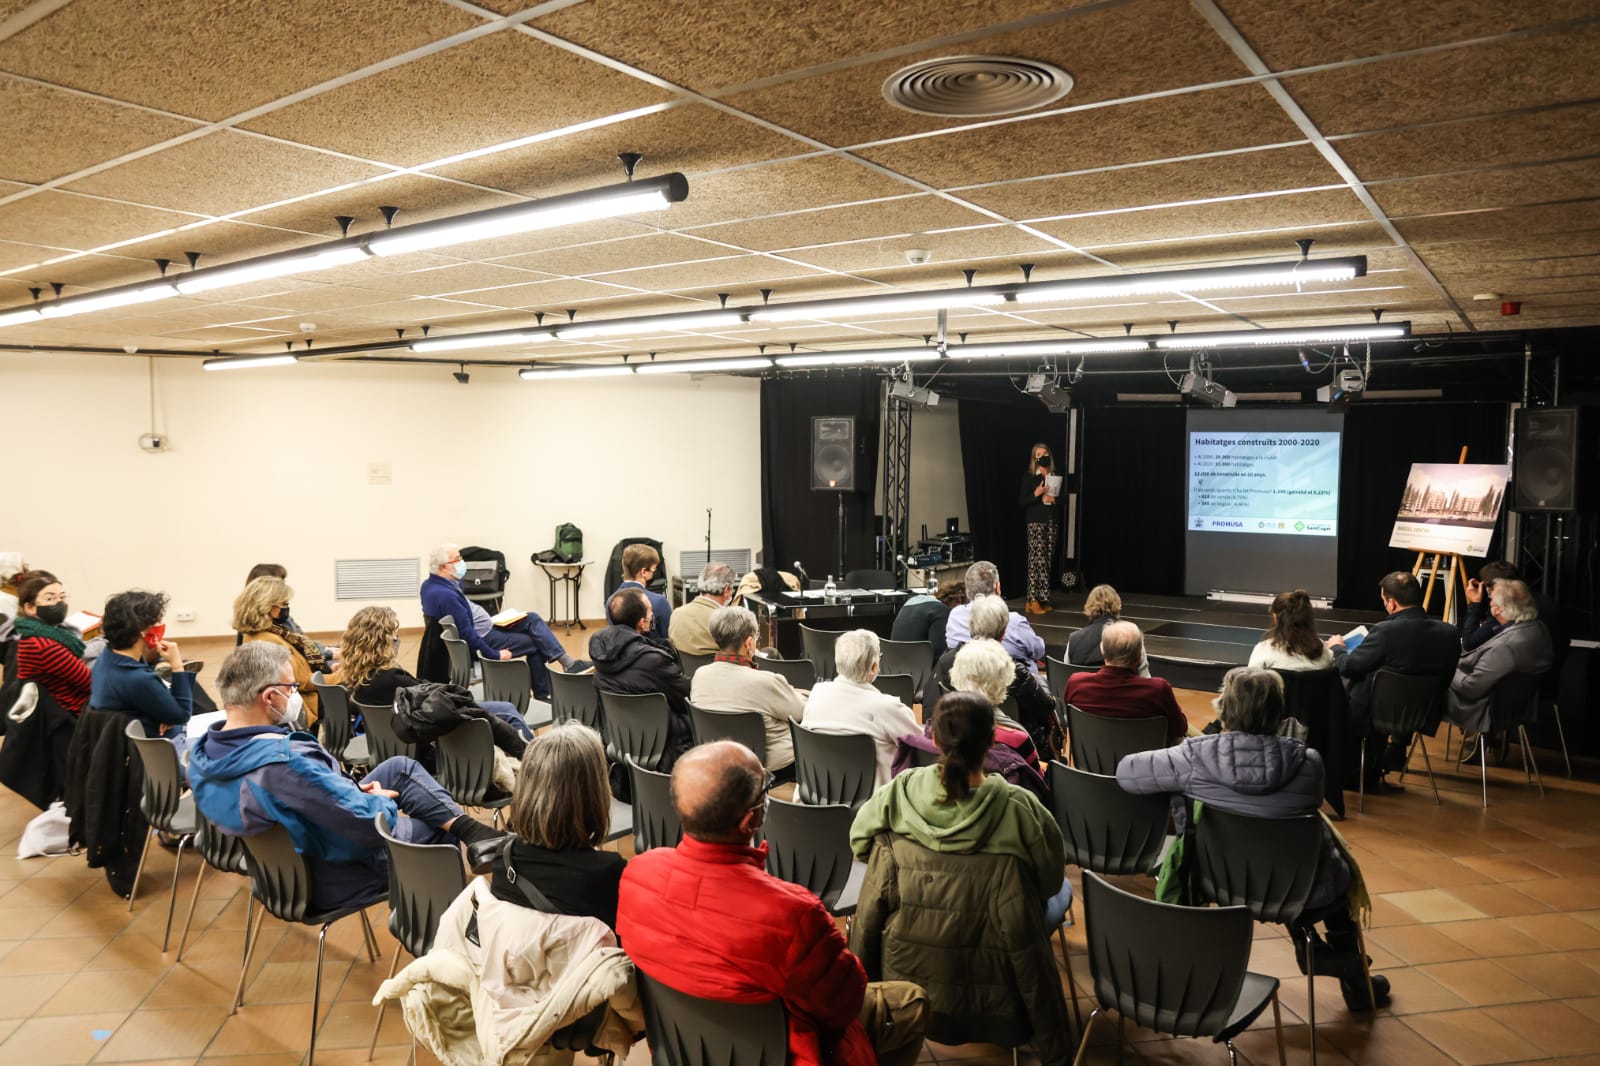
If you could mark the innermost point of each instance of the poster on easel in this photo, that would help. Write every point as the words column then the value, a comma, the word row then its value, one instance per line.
column 1450, row 507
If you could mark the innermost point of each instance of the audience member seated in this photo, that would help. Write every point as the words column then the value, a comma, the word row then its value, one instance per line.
column 1519, row 645
column 629, row 662
column 1021, row 642
column 690, row 627
column 258, row 615
column 1248, row 769
column 988, row 618
column 1117, row 691
column 982, row 666
column 560, row 815
column 1292, row 642
column 1100, row 607
column 122, row 678
column 48, row 651
column 11, row 565
column 529, row 636
column 1408, row 642
column 921, row 911
column 1478, row 624
column 850, row 704
column 731, row 682
column 707, row 919
column 250, row 772
column 923, row 616
column 639, row 565
column 281, row 572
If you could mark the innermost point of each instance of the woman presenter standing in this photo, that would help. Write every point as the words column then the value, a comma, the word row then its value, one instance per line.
column 1039, row 511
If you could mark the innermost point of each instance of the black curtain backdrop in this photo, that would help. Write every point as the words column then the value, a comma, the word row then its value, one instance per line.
column 1133, row 468
column 797, row 522
column 995, row 439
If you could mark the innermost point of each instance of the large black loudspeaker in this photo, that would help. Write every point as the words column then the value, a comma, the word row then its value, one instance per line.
column 833, row 454
column 1545, row 477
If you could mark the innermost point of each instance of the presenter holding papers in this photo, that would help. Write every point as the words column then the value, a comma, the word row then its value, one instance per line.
column 1041, row 488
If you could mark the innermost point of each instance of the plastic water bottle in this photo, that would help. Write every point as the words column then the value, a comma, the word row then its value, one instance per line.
column 829, row 590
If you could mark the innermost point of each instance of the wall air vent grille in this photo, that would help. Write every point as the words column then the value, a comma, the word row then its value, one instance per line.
column 377, row 579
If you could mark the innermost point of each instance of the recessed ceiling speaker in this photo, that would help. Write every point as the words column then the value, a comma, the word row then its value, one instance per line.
column 976, row 86
column 1545, row 472
column 833, row 454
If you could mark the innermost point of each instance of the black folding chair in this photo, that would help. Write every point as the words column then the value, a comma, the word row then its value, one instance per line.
column 1099, row 742
column 334, row 722
column 801, row 673
column 636, row 725
column 747, row 727
column 901, row 686
column 818, row 646
column 465, row 762
column 382, row 741
column 685, row 1030
column 809, row 845
column 655, row 819
column 167, row 806
column 833, row 768
column 1403, row 704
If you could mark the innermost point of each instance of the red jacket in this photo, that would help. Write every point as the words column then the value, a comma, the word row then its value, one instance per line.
column 709, row 921
column 1117, row 692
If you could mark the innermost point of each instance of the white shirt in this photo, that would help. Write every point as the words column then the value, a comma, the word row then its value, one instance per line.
column 1268, row 656
column 842, row 706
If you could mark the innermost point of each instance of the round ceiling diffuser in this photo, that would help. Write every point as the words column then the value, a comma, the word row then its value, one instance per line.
column 976, row 86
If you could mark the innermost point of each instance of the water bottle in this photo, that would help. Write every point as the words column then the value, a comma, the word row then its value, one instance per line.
column 829, row 590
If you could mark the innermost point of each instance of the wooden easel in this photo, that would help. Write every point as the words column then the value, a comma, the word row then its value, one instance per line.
column 1457, row 573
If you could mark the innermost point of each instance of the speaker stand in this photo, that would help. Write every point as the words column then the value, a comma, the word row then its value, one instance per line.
column 840, row 571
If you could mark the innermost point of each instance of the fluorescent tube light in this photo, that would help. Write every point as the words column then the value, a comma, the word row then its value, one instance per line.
column 651, row 324
column 100, row 301
column 860, row 358
column 861, row 306
column 270, row 266
column 1293, row 272
column 242, row 362
column 480, row 340
column 630, row 198
column 554, row 374
column 20, row 315
column 1263, row 337
column 709, row 366
column 1025, row 348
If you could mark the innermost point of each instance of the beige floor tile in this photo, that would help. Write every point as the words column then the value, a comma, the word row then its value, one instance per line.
column 1555, row 1027
column 1431, row 905
column 21, row 997
column 1415, row 944
column 1385, row 1041
column 1482, row 982
column 60, row 955
column 1501, row 901
column 1558, row 932
column 1489, row 937
column 1414, row 992
column 102, row 990
column 164, row 1034
column 60, row 1041
column 1473, row 1038
column 1556, row 974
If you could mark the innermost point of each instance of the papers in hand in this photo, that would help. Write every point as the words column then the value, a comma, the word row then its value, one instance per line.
column 1353, row 639
column 1052, row 485
column 508, row 617
column 85, row 622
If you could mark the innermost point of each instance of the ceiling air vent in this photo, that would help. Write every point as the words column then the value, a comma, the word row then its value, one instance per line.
column 976, row 86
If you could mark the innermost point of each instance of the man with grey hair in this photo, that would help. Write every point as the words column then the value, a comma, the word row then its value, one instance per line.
column 252, row 771
column 1521, row 646
column 1020, row 641
column 850, row 704
column 1117, row 691
column 731, row 682
column 689, row 629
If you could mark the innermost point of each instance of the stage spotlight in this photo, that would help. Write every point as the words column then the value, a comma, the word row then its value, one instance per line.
column 1056, row 399
column 915, row 395
column 1347, row 385
column 1197, row 385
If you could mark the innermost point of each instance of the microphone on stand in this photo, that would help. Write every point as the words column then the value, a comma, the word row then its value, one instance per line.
column 804, row 577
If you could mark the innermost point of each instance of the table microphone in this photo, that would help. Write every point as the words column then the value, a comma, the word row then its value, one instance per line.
column 802, row 572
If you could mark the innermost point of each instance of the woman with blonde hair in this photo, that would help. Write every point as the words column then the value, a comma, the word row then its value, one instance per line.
column 257, row 615
column 560, row 815
column 367, row 665
column 1039, row 512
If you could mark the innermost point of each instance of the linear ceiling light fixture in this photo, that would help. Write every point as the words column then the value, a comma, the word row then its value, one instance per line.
column 704, row 366
column 539, row 373
column 282, row 264
column 863, row 306
column 479, row 340
column 1292, row 272
column 20, row 315
column 859, row 358
column 1265, row 337
column 244, row 362
column 100, row 301
column 1027, row 348
column 651, row 324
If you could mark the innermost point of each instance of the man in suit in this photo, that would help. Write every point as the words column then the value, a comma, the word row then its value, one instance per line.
column 1520, row 645
column 1409, row 642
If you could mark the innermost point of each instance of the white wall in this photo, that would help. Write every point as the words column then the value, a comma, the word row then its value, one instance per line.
column 270, row 465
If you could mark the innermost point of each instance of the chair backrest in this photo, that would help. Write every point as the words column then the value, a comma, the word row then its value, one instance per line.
column 278, row 877
column 685, row 1030
column 1176, row 970
column 1099, row 743
column 833, row 768
column 333, row 715
column 424, row 879
column 809, row 845
column 1401, row 703
column 1106, row 829
column 747, row 727
column 163, row 783
column 818, row 645
column 1056, row 671
column 573, row 696
column 902, row 687
column 1514, row 701
column 507, row 680
column 692, row 661
column 1268, row 865
column 869, row 579
column 382, row 741
column 465, row 760
column 912, row 657
column 655, row 819
column 636, row 726
column 801, row 673
column 220, row 850
column 460, row 661
column 924, row 757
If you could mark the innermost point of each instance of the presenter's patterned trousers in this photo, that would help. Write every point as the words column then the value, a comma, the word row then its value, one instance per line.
column 1041, row 549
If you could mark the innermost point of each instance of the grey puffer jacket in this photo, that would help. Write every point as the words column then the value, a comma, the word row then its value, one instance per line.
column 1243, row 773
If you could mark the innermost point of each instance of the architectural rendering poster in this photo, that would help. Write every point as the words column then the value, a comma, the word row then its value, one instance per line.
column 1450, row 507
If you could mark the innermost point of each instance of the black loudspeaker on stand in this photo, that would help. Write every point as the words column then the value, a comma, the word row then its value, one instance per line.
column 1550, row 443
column 833, row 465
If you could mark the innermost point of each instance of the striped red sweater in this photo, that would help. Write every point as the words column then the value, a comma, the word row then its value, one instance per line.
column 63, row 674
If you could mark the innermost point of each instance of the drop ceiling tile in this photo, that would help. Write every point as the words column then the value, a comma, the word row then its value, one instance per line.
column 395, row 314
column 223, row 172
column 62, row 220
column 747, row 270
column 551, row 297
column 218, row 242
column 1215, row 219
column 1501, row 223
column 14, row 254
column 501, row 87
column 655, row 249
column 1267, row 170
column 1557, row 134
column 326, row 298
column 192, row 57
column 1512, row 286
column 990, row 248
column 1353, row 302
column 496, row 248
column 1354, row 239
column 420, row 199
column 706, row 46
column 210, row 336
column 1215, row 120
column 886, row 218
column 1477, row 80
column 460, row 278
column 787, row 186
column 1506, row 187
column 378, row 266
column 1176, row 48
column 51, row 133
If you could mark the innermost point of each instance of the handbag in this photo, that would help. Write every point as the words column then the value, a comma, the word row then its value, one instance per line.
column 481, row 855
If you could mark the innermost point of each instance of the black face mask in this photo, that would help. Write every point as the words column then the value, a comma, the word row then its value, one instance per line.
column 283, row 619
column 52, row 614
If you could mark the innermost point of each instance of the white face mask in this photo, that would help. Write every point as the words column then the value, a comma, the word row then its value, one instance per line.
column 290, row 714
column 461, row 569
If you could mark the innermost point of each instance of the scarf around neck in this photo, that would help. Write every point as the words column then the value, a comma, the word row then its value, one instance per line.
column 31, row 627
column 303, row 647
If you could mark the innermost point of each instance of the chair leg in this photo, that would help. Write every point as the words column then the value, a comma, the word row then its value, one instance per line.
column 1121, row 1042
column 194, row 898
column 368, row 937
column 1361, row 785
column 1066, row 961
column 138, row 870
column 1527, row 755
column 1483, row 766
column 1311, row 991
column 172, row 897
column 1277, row 1025
column 1429, row 764
column 251, row 932
column 383, row 1005
column 1562, row 733
column 1083, row 1042
column 1233, row 1055
column 316, row 996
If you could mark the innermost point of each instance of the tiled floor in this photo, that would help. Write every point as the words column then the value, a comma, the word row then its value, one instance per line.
column 1487, row 923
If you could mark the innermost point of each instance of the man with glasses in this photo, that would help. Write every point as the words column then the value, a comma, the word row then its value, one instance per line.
column 252, row 771
column 707, row 919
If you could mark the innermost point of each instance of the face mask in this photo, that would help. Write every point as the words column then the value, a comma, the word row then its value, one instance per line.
column 53, row 614
column 283, row 618
column 291, row 710
column 155, row 634
column 461, row 570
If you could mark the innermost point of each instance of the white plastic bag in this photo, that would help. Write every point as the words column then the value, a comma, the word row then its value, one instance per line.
column 46, row 834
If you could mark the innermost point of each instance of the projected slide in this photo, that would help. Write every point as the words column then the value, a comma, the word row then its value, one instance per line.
column 1283, row 483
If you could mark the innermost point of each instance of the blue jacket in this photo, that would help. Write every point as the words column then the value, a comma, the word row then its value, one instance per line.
column 247, row 780
column 441, row 596
column 658, row 604
column 120, row 682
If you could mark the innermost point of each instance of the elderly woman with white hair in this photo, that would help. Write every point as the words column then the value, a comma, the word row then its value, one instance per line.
column 1522, row 646
column 731, row 682
column 1034, row 707
column 850, row 703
